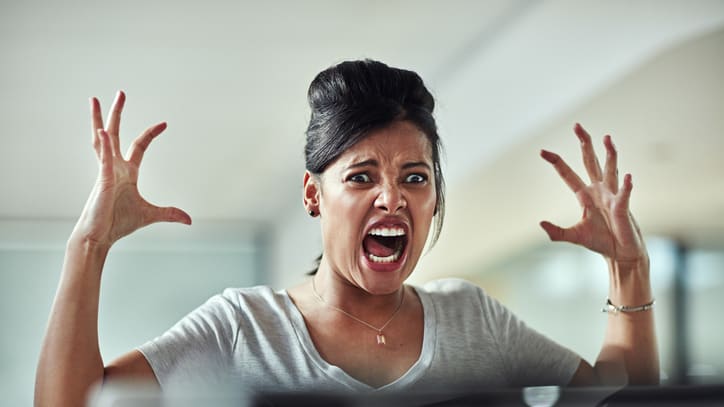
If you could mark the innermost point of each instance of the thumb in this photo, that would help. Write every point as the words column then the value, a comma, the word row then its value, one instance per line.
column 170, row 214
column 556, row 233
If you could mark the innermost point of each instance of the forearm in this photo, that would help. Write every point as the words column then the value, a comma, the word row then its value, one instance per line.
column 70, row 360
column 630, row 341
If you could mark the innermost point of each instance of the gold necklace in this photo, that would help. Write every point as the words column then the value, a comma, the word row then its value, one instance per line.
column 381, row 340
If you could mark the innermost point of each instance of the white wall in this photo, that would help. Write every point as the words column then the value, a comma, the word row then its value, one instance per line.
column 150, row 281
column 297, row 243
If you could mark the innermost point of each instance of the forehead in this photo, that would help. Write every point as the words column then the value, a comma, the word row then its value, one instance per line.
column 399, row 142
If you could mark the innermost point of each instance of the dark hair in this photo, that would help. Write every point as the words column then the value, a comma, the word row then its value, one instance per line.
column 354, row 98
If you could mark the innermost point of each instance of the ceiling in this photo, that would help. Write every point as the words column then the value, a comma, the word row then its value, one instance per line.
column 666, row 118
column 230, row 78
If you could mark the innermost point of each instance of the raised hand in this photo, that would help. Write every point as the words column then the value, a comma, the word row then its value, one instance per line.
column 607, row 226
column 115, row 208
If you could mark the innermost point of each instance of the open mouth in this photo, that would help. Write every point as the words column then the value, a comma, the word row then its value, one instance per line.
column 385, row 244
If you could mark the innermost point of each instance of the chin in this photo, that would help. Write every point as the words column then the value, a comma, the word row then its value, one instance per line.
column 385, row 278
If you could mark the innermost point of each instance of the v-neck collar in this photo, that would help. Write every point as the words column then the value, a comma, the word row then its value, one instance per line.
column 415, row 372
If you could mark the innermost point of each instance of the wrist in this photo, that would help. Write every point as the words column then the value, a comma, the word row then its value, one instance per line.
column 629, row 282
column 83, row 263
column 86, row 246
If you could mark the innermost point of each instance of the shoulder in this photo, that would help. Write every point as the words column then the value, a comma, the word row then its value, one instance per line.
column 256, row 293
column 240, row 305
column 451, row 294
column 238, row 310
column 450, row 287
column 463, row 298
column 258, row 299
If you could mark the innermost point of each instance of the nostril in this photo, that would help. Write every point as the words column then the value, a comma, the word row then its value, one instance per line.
column 391, row 200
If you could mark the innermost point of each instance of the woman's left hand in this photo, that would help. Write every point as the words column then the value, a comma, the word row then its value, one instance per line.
column 607, row 226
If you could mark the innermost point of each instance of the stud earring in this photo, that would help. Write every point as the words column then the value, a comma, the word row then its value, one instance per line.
column 312, row 213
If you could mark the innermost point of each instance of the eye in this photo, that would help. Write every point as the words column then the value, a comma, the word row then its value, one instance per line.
column 359, row 178
column 415, row 178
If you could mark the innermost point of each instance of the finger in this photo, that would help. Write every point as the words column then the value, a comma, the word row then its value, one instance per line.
column 585, row 200
column 590, row 161
column 636, row 227
column 610, row 177
column 141, row 143
column 574, row 182
column 105, row 155
column 625, row 193
column 114, row 121
column 96, row 124
column 169, row 214
column 559, row 234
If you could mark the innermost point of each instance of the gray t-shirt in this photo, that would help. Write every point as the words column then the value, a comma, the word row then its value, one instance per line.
column 257, row 337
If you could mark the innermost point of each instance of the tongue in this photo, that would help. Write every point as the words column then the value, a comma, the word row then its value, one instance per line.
column 372, row 246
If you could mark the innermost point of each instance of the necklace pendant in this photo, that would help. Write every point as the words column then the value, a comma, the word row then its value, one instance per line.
column 381, row 339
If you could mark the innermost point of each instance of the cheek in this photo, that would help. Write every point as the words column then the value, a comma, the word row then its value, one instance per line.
column 347, row 207
column 342, row 216
column 427, row 211
column 427, row 203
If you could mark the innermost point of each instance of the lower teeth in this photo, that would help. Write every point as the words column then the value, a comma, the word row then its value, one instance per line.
column 388, row 259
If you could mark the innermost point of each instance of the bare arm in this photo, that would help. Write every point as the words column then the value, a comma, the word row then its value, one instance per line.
column 70, row 359
column 629, row 353
column 71, row 340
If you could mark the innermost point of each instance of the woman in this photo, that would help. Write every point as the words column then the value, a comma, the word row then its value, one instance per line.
column 374, row 181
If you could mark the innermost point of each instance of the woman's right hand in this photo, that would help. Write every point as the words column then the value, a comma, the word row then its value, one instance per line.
column 115, row 208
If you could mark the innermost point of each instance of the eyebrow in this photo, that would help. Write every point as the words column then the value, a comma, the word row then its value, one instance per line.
column 374, row 163
column 365, row 163
column 416, row 164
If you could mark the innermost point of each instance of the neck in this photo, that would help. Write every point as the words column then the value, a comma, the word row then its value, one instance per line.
column 352, row 296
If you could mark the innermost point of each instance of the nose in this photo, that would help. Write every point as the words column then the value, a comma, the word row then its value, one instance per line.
column 390, row 199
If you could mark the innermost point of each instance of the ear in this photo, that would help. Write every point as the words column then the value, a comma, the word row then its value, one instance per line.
column 311, row 192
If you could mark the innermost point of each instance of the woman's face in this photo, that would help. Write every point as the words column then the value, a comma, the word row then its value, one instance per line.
column 376, row 202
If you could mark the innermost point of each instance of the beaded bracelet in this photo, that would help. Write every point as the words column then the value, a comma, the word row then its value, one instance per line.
column 615, row 309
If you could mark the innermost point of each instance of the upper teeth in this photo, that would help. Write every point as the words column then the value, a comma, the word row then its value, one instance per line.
column 380, row 231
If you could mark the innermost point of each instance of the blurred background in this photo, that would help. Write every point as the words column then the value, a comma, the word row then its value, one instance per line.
column 230, row 78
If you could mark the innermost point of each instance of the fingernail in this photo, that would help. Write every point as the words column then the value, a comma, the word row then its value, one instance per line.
column 548, row 156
